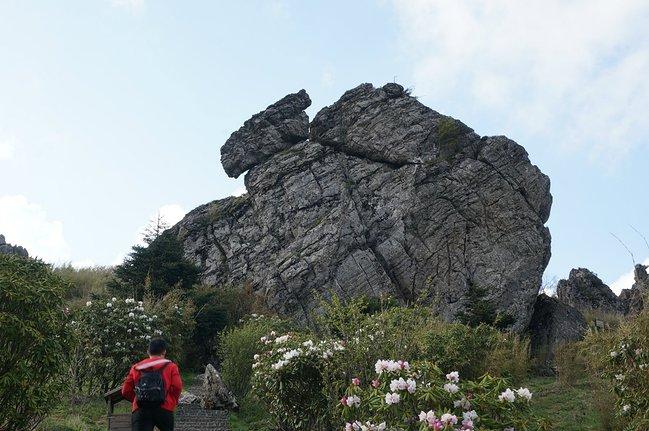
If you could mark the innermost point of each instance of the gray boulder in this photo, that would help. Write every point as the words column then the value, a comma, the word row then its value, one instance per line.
column 584, row 291
column 6, row 248
column 216, row 395
column 385, row 197
column 553, row 324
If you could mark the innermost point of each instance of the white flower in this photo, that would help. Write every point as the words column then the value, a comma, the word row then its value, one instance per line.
column 472, row 415
column 131, row 315
column 619, row 376
column 281, row 339
column 448, row 418
column 626, row 408
column 140, row 303
column 291, row 354
column 392, row 398
column 278, row 365
column 109, row 305
column 524, row 393
column 464, row 403
column 353, row 400
column 508, row 395
column 453, row 377
column 114, row 299
column 613, row 354
column 88, row 304
column 308, row 343
column 428, row 416
column 451, row 388
column 411, row 386
column 398, row 385
column 129, row 330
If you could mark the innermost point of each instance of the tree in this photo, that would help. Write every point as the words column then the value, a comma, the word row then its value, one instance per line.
column 33, row 341
column 155, row 268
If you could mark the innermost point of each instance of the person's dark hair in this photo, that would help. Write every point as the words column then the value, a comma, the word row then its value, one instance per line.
column 157, row 346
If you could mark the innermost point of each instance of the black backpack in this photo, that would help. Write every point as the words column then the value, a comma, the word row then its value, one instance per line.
column 150, row 389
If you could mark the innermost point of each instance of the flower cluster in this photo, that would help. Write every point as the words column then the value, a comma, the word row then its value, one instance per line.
column 628, row 368
column 402, row 394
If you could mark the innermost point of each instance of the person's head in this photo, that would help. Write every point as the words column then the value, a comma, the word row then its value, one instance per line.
column 157, row 347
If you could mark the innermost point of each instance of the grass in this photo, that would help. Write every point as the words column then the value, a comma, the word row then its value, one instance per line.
column 577, row 407
column 85, row 415
column 581, row 406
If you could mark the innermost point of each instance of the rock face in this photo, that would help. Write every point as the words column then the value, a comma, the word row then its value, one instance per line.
column 216, row 395
column 11, row 249
column 553, row 323
column 379, row 195
column 584, row 291
column 632, row 300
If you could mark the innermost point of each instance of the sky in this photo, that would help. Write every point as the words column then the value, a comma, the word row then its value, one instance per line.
column 112, row 111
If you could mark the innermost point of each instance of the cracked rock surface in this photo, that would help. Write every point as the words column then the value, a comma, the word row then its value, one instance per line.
column 584, row 291
column 379, row 194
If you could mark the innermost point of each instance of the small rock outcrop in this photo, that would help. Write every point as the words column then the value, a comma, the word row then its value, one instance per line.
column 378, row 195
column 553, row 324
column 216, row 395
column 6, row 248
column 584, row 291
column 632, row 300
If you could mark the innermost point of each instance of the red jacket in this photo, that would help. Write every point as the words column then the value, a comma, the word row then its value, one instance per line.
column 170, row 376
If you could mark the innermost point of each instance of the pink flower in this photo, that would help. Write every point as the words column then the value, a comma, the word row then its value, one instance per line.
column 356, row 381
column 375, row 384
column 343, row 401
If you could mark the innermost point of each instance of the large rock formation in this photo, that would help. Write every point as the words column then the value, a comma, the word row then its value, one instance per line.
column 6, row 248
column 553, row 324
column 632, row 300
column 385, row 196
column 584, row 291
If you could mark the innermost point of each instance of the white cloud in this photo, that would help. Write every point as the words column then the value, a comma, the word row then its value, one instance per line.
column 27, row 224
column 573, row 72
column 134, row 6
column 626, row 280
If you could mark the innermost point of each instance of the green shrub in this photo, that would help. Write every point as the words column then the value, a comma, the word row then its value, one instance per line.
column 300, row 375
column 84, row 282
column 216, row 309
column 33, row 340
column 237, row 347
column 301, row 380
column 621, row 356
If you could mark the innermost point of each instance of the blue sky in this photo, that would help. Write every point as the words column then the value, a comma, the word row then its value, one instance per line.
column 113, row 109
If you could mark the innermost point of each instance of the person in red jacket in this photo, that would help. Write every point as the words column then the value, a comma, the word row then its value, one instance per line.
column 145, row 417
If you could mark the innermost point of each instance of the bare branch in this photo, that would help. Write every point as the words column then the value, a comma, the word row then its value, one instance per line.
column 624, row 245
column 641, row 236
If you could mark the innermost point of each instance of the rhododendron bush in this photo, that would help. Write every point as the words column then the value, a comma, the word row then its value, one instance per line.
column 421, row 397
column 111, row 333
column 306, row 385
